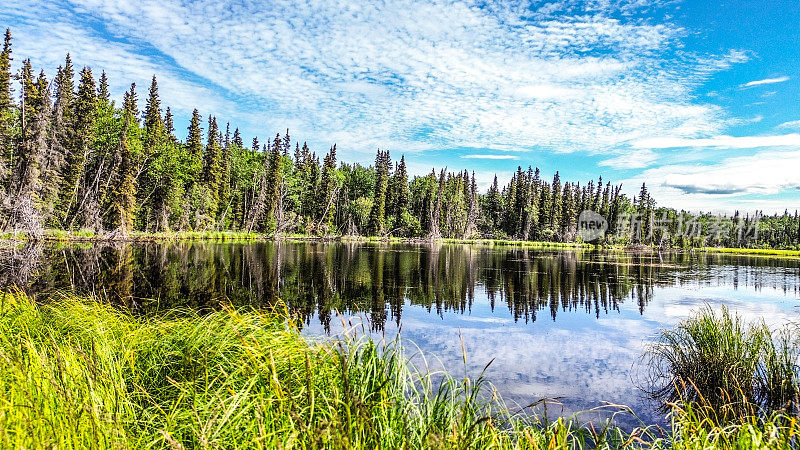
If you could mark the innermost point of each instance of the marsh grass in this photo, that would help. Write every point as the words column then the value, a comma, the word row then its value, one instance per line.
column 76, row 373
column 768, row 252
column 717, row 362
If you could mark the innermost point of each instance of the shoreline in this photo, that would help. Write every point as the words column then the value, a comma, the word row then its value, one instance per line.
column 233, row 236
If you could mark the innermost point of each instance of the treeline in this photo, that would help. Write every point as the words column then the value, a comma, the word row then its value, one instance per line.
column 72, row 159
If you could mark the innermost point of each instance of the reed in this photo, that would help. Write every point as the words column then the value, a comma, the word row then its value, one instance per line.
column 76, row 373
column 734, row 369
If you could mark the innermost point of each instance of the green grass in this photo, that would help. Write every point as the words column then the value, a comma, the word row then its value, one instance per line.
column 75, row 373
column 735, row 369
column 752, row 251
column 221, row 236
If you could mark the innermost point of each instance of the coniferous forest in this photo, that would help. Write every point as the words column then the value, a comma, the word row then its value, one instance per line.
column 71, row 158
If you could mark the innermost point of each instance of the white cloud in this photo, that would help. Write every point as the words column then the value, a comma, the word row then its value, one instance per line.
column 47, row 43
column 635, row 159
column 416, row 74
column 766, row 81
column 490, row 157
column 730, row 142
column 734, row 183
column 790, row 124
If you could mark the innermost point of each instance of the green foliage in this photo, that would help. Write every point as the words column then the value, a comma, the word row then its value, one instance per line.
column 358, row 212
column 716, row 361
column 122, row 198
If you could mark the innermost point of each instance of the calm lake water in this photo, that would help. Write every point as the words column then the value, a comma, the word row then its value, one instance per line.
column 571, row 325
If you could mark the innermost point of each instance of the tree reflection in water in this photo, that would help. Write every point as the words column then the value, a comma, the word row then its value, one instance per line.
column 316, row 279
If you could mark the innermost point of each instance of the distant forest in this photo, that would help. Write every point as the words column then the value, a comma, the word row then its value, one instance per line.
column 72, row 159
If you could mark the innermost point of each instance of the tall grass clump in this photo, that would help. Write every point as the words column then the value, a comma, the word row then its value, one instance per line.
column 75, row 373
column 716, row 363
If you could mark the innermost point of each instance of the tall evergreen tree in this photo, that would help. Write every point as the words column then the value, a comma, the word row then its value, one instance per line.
column 31, row 201
column 644, row 210
column 327, row 191
column 212, row 167
column 6, row 116
column 272, row 186
column 194, row 142
column 28, row 102
column 436, row 213
column 73, row 196
column 225, row 184
column 555, row 212
column 153, row 123
column 401, row 195
column 103, row 94
column 474, row 211
column 169, row 124
column 493, row 210
column 130, row 103
column 6, row 101
column 123, row 189
column 377, row 215
column 237, row 138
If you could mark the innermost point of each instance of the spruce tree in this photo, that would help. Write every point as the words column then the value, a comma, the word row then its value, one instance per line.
column 287, row 144
column 555, row 212
column 6, row 116
column 227, row 141
column 130, row 103
column 494, row 208
column 544, row 231
column 272, row 185
column 33, row 92
column 5, row 74
column 436, row 213
column 212, row 167
column 169, row 124
column 153, row 124
column 30, row 200
column 78, row 147
column 520, row 201
column 123, row 189
column 377, row 215
column 26, row 104
column 568, row 214
column 103, row 94
column 401, row 195
column 225, row 183
column 474, row 211
column 327, row 191
column 645, row 215
column 510, row 216
column 194, row 141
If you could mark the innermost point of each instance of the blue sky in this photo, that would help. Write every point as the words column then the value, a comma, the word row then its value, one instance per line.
column 697, row 98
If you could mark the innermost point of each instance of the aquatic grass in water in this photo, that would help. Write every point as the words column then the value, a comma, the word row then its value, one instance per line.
column 719, row 362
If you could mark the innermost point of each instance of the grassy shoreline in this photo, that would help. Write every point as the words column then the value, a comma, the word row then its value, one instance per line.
column 234, row 236
column 78, row 373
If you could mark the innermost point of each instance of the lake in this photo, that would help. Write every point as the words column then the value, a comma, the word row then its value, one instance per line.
column 571, row 325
